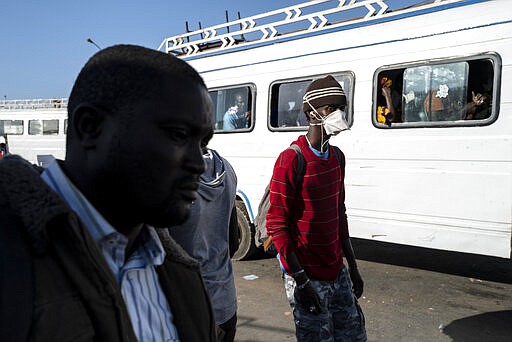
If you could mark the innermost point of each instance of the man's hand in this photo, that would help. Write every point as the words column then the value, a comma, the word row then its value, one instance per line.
column 357, row 281
column 307, row 298
column 304, row 293
column 478, row 99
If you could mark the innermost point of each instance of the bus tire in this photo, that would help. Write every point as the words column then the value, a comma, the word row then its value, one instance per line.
column 246, row 246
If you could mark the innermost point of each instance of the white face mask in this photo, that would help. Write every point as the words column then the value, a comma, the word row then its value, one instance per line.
column 335, row 122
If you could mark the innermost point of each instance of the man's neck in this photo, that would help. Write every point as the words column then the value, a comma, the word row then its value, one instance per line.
column 314, row 137
column 116, row 218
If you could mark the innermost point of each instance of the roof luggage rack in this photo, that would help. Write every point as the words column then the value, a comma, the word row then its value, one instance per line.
column 289, row 22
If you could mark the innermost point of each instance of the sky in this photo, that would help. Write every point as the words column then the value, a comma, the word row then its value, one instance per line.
column 43, row 44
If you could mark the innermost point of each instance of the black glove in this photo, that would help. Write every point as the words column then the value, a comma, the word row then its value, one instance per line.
column 307, row 298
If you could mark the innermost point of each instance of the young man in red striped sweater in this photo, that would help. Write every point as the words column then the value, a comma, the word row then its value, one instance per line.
column 308, row 225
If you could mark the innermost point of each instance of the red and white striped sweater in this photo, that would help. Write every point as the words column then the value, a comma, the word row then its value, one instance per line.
column 309, row 218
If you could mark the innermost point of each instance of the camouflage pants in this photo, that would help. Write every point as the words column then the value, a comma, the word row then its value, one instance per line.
column 341, row 318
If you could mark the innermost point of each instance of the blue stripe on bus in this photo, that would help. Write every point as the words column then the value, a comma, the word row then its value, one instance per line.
column 247, row 204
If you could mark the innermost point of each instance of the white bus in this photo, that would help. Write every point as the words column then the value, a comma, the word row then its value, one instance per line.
column 439, row 174
column 35, row 128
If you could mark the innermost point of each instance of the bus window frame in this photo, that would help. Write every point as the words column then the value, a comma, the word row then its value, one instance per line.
column 252, row 89
column 349, row 109
column 496, row 63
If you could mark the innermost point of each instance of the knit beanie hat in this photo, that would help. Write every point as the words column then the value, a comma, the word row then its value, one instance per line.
column 322, row 92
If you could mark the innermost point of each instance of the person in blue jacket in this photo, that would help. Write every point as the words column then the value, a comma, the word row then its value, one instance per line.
column 211, row 236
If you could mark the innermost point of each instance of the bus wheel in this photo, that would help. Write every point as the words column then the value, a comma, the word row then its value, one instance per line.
column 246, row 246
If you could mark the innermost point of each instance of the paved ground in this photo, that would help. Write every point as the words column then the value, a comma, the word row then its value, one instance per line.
column 411, row 294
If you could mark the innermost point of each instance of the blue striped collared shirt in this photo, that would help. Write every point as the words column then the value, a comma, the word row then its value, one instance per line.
column 147, row 305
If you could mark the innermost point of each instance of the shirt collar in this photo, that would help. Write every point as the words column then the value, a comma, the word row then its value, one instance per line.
column 153, row 247
column 322, row 155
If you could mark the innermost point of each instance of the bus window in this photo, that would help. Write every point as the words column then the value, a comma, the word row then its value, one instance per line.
column 65, row 126
column 286, row 108
column 233, row 108
column 443, row 89
column 44, row 127
column 12, row 127
column 447, row 94
column 286, row 102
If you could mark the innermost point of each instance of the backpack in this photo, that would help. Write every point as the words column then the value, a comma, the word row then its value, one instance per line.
column 260, row 222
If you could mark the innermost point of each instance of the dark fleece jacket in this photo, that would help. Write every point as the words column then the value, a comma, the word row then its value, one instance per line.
column 54, row 282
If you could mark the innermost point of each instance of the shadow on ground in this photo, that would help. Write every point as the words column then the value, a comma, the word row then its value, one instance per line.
column 251, row 322
column 461, row 264
column 490, row 326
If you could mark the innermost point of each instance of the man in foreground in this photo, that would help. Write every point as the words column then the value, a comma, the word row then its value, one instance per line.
column 308, row 224
column 83, row 255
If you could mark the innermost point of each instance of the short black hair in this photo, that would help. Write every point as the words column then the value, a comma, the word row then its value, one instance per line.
column 119, row 76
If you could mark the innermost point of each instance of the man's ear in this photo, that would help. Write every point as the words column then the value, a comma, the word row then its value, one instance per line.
column 308, row 115
column 88, row 124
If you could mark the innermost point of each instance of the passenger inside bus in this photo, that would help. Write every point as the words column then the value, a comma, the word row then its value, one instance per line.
column 479, row 106
column 480, row 81
column 388, row 102
column 443, row 107
column 440, row 105
column 237, row 116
